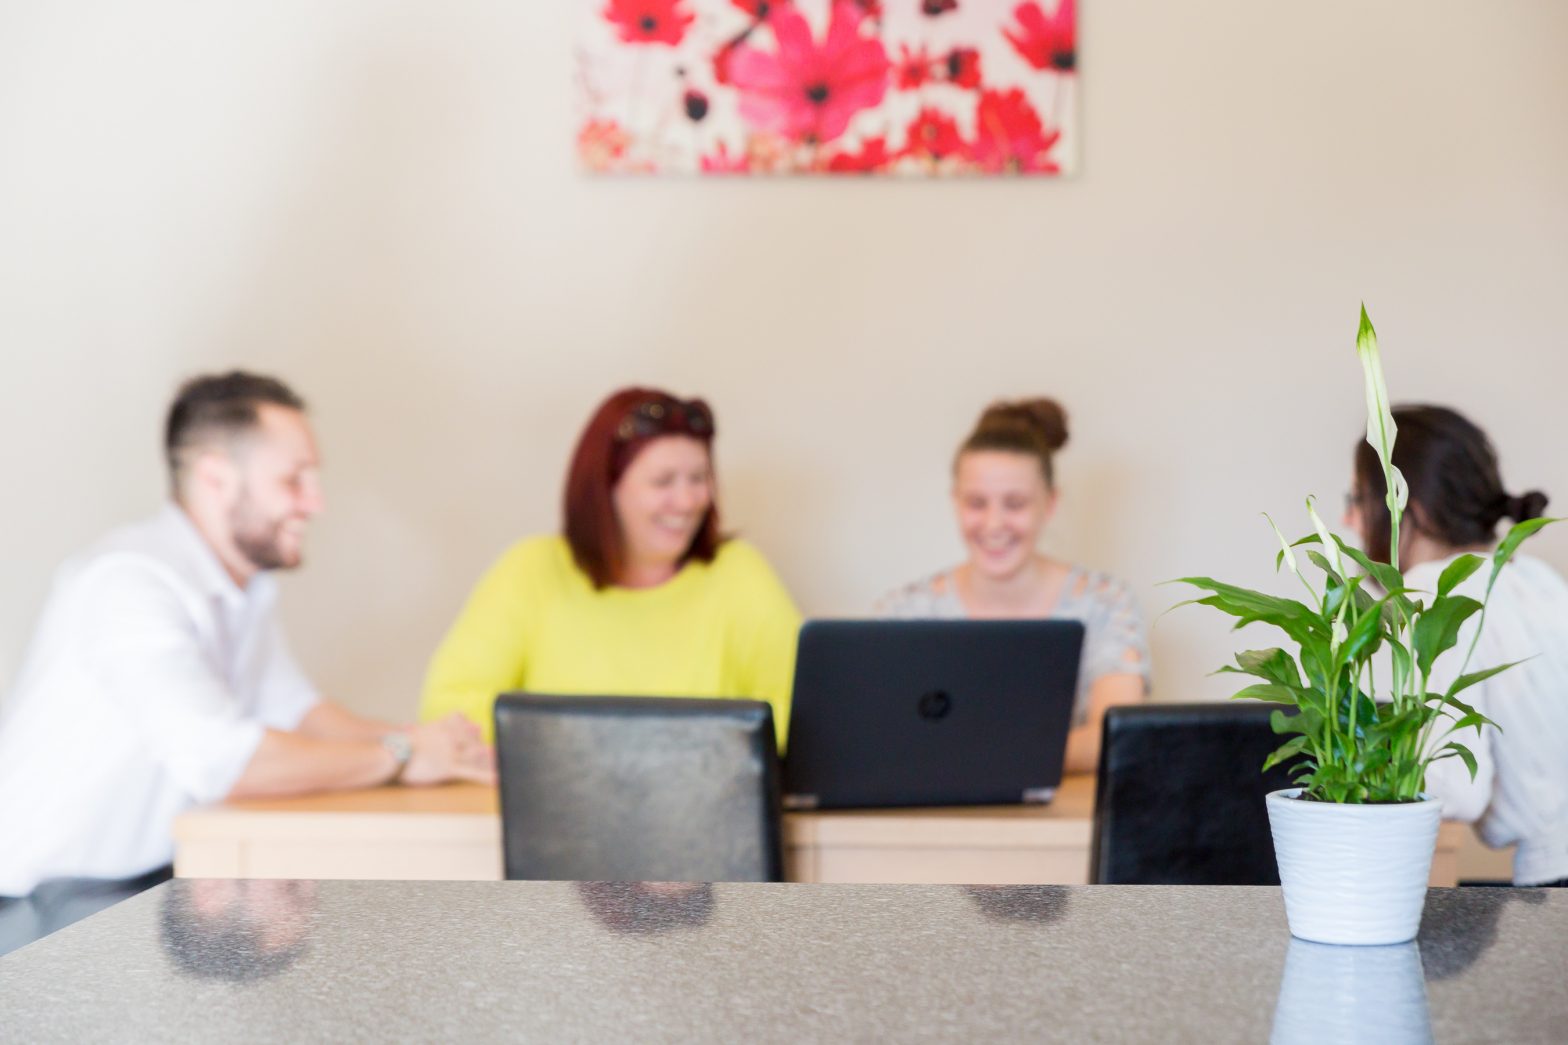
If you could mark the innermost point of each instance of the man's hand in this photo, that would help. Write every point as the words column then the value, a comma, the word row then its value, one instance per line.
column 448, row 749
column 296, row 763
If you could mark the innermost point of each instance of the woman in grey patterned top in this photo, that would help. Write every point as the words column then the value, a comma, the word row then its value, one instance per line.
column 1003, row 494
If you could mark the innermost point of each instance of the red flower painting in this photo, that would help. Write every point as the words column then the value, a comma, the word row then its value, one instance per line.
column 872, row 156
column 914, row 67
column 1009, row 135
column 828, row 87
column 933, row 135
column 649, row 21
column 760, row 9
column 808, row 91
column 1046, row 42
column 721, row 162
column 962, row 66
column 600, row 145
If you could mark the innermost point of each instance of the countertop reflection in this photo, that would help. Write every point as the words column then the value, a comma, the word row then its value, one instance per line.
column 268, row 960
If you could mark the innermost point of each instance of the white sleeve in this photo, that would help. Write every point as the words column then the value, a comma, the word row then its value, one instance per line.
column 286, row 693
column 142, row 643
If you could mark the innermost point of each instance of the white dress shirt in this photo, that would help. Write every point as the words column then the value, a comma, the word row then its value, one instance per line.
column 145, row 691
column 1520, row 791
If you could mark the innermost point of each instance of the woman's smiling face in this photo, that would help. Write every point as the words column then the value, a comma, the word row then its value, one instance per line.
column 662, row 499
column 1002, row 503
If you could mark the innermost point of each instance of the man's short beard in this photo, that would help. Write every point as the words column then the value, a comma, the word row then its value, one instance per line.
column 256, row 538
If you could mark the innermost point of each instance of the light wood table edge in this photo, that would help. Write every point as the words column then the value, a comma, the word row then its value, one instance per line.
column 455, row 832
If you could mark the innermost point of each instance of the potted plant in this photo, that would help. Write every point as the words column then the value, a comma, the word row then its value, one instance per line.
column 1354, row 841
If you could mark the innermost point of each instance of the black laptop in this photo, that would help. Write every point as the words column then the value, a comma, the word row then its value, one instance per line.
column 930, row 712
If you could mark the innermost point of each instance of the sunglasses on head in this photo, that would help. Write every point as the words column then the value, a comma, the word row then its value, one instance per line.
column 665, row 416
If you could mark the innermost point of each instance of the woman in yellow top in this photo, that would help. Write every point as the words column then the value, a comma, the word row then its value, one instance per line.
column 641, row 595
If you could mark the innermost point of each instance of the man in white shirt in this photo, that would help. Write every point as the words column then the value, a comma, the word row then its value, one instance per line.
column 158, row 678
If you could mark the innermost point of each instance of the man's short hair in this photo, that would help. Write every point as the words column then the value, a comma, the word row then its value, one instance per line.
column 214, row 407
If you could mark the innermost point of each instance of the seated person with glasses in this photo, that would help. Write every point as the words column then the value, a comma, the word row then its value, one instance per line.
column 1004, row 492
column 1519, row 792
column 639, row 596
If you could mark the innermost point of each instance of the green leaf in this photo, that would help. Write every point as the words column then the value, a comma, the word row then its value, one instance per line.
column 1337, row 593
column 1363, row 600
column 1438, row 628
column 1244, row 602
column 1280, row 722
column 1321, row 562
column 1272, row 692
column 1389, row 579
column 1464, row 755
column 1517, row 535
column 1365, row 710
column 1464, row 682
column 1467, row 717
column 1249, row 607
column 1456, row 572
column 1363, row 638
column 1473, row 720
column 1377, row 759
column 1401, row 657
column 1286, row 750
column 1315, row 655
column 1274, row 665
column 1453, row 702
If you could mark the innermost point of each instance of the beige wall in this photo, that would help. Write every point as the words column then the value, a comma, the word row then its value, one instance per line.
column 377, row 201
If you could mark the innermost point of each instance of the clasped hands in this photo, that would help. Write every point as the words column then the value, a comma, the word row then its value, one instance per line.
column 449, row 748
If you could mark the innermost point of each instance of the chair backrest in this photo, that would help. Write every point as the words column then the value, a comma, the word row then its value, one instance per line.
column 638, row 789
column 1179, row 798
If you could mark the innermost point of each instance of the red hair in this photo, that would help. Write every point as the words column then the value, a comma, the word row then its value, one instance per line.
column 601, row 458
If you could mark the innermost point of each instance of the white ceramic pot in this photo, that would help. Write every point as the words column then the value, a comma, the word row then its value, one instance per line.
column 1353, row 873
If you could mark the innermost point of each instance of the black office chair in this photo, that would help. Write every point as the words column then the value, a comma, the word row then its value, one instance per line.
column 1179, row 797
column 638, row 789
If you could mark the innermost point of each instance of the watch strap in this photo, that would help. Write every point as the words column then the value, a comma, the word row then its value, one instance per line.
column 401, row 747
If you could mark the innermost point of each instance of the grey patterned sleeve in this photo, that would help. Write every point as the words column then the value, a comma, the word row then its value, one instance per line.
column 892, row 604
column 1115, row 641
column 930, row 597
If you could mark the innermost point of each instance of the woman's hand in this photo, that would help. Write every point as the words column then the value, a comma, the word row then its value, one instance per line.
column 449, row 748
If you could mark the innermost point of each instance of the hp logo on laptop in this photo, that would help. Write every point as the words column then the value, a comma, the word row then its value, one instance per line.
column 934, row 705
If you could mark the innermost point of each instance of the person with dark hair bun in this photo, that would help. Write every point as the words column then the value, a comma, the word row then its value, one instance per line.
column 639, row 595
column 1519, row 795
column 1004, row 493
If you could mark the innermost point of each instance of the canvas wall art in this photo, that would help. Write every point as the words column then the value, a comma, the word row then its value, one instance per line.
column 884, row 87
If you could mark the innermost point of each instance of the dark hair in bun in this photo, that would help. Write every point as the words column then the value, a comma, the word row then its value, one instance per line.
column 1037, row 427
column 1456, row 490
column 1531, row 505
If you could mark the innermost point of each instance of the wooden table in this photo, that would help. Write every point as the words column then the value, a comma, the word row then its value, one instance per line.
column 454, row 833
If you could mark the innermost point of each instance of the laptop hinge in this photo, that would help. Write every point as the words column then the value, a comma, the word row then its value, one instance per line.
column 800, row 801
column 1038, row 795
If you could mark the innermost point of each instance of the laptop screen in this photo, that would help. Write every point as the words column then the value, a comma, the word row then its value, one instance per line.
column 930, row 712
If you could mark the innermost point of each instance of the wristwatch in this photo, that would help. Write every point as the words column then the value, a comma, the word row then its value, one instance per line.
column 401, row 749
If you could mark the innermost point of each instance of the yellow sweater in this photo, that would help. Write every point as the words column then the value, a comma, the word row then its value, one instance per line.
column 535, row 623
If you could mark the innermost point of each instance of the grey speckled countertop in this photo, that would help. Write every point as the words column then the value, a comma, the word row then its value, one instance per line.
column 209, row 960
